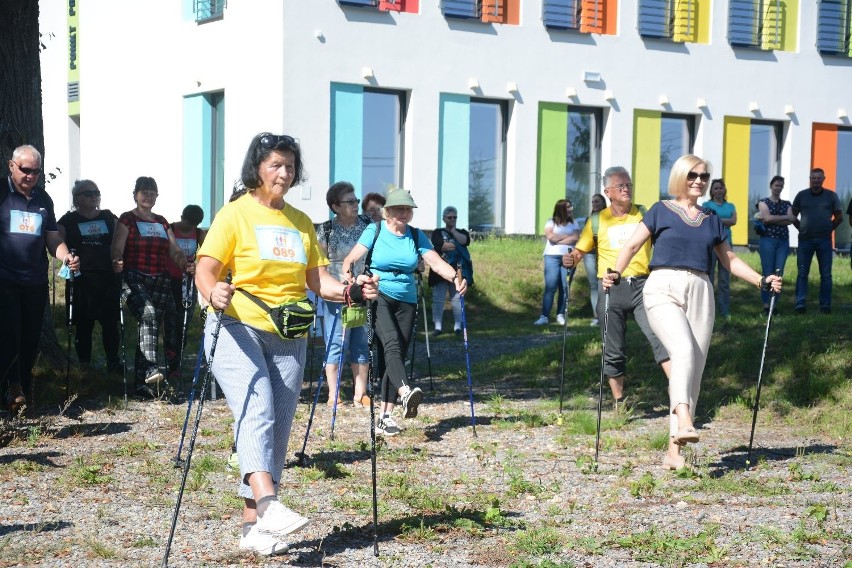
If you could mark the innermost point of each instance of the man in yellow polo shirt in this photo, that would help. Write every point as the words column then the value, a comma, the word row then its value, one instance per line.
column 608, row 234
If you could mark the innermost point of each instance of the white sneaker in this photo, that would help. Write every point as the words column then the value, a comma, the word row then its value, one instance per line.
column 560, row 319
column 387, row 426
column 594, row 322
column 542, row 320
column 410, row 402
column 155, row 378
column 262, row 543
column 280, row 521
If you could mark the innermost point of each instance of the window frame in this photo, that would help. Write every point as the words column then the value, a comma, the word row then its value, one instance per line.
column 691, row 122
column 499, row 191
column 595, row 160
column 453, row 9
column 760, row 19
column 559, row 21
column 212, row 14
column 399, row 140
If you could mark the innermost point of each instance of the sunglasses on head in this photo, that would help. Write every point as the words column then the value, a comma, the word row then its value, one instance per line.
column 692, row 176
column 273, row 142
column 28, row 171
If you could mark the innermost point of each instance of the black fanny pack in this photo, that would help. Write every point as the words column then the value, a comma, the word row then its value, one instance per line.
column 291, row 320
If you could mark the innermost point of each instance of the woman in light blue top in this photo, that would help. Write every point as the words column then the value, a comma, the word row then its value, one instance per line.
column 728, row 214
column 396, row 251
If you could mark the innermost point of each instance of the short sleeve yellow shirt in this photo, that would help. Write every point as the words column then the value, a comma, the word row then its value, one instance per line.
column 268, row 252
column 613, row 233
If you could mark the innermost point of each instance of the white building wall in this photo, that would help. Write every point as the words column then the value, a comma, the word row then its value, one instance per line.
column 276, row 74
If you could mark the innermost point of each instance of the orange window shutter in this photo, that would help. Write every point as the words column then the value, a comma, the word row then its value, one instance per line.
column 494, row 11
column 592, row 17
column 390, row 5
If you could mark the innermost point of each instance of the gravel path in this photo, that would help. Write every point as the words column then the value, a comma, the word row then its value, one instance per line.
column 98, row 489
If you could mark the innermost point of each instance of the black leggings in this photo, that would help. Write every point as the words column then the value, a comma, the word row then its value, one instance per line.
column 394, row 324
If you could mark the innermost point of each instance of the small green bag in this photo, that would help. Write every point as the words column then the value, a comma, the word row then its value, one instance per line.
column 292, row 320
column 354, row 316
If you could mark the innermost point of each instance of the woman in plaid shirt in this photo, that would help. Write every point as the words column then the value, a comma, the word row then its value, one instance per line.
column 141, row 243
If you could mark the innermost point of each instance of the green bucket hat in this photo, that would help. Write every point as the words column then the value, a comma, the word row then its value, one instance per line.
column 399, row 197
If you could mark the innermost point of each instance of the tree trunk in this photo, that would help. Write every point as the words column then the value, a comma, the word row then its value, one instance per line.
column 20, row 79
column 20, row 108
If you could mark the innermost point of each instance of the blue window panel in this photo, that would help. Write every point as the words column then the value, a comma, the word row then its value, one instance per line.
column 655, row 18
column 209, row 9
column 744, row 23
column 561, row 14
column 363, row 3
column 833, row 27
column 461, row 8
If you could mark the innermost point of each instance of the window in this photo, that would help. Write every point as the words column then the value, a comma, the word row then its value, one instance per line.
column 485, row 170
column 678, row 20
column 461, row 8
column 843, row 186
column 364, row 3
column 367, row 127
column 756, row 23
column 583, row 157
column 207, row 10
column 764, row 162
column 587, row 16
column 676, row 139
column 491, row 11
column 833, row 27
column 381, row 141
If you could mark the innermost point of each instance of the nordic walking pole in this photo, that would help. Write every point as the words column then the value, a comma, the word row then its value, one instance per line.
column 371, row 387
column 425, row 328
column 311, row 358
column 301, row 455
column 207, row 374
column 339, row 373
column 760, row 373
column 600, row 386
column 564, row 339
column 186, row 292
column 414, row 336
column 70, row 322
column 123, row 346
column 178, row 460
column 467, row 354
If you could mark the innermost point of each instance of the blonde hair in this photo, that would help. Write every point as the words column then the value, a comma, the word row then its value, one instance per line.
column 680, row 169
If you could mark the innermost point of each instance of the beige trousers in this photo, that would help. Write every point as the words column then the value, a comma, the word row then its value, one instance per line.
column 681, row 311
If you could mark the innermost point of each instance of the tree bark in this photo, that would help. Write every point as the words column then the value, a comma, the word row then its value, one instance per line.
column 20, row 79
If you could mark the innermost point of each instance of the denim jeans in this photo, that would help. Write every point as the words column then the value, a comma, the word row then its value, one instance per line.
column 722, row 285
column 825, row 256
column 773, row 256
column 554, row 279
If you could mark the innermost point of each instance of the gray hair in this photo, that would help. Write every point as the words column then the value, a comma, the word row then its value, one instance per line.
column 449, row 209
column 613, row 171
column 26, row 150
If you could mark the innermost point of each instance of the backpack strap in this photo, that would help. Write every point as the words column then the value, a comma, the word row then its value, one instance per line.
column 326, row 230
column 369, row 259
column 256, row 300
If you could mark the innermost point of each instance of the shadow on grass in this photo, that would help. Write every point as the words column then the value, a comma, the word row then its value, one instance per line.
column 737, row 458
column 41, row 458
column 34, row 527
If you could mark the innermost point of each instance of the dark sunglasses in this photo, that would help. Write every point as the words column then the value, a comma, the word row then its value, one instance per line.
column 95, row 193
column 450, row 217
column 273, row 142
column 692, row 176
column 349, row 201
column 28, row 171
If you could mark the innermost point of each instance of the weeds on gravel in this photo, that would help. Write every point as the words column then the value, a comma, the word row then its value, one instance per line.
column 735, row 483
column 542, row 564
column 654, row 545
column 644, row 486
column 99, row 549
column 90, row 471
column 536, row 541
column 132, row 449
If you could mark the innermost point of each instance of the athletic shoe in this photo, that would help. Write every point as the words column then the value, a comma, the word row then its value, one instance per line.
column 800, row 309
column 280, row 521
column 15, row 398
column 458, row 332
column 145, row 392
column 410, row 402
column 594, row 323
column 262, row 543
column 436, row 332
column 387, row 426
column 825, row 310
column 542, row 320
column 154, row 378
column 560, row 319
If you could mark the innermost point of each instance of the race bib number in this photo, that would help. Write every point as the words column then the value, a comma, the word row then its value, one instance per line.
column 280, row 243
column 25, row 223
column 93, row 228
column 151, row 230
column 188, row 246
column 619, row 234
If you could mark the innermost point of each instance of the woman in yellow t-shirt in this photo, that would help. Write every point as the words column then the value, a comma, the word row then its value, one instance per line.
column 271, row 250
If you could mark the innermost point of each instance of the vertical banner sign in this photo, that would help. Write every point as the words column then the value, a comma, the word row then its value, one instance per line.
column 73, row 58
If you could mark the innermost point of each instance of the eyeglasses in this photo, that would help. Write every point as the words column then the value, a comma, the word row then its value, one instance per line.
column 95, row 193
column 274, row 142
column 621, row 186
column 28, row 171
column 692, row 176
column 349, row 201
column 149, row 193
column 451, row 217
